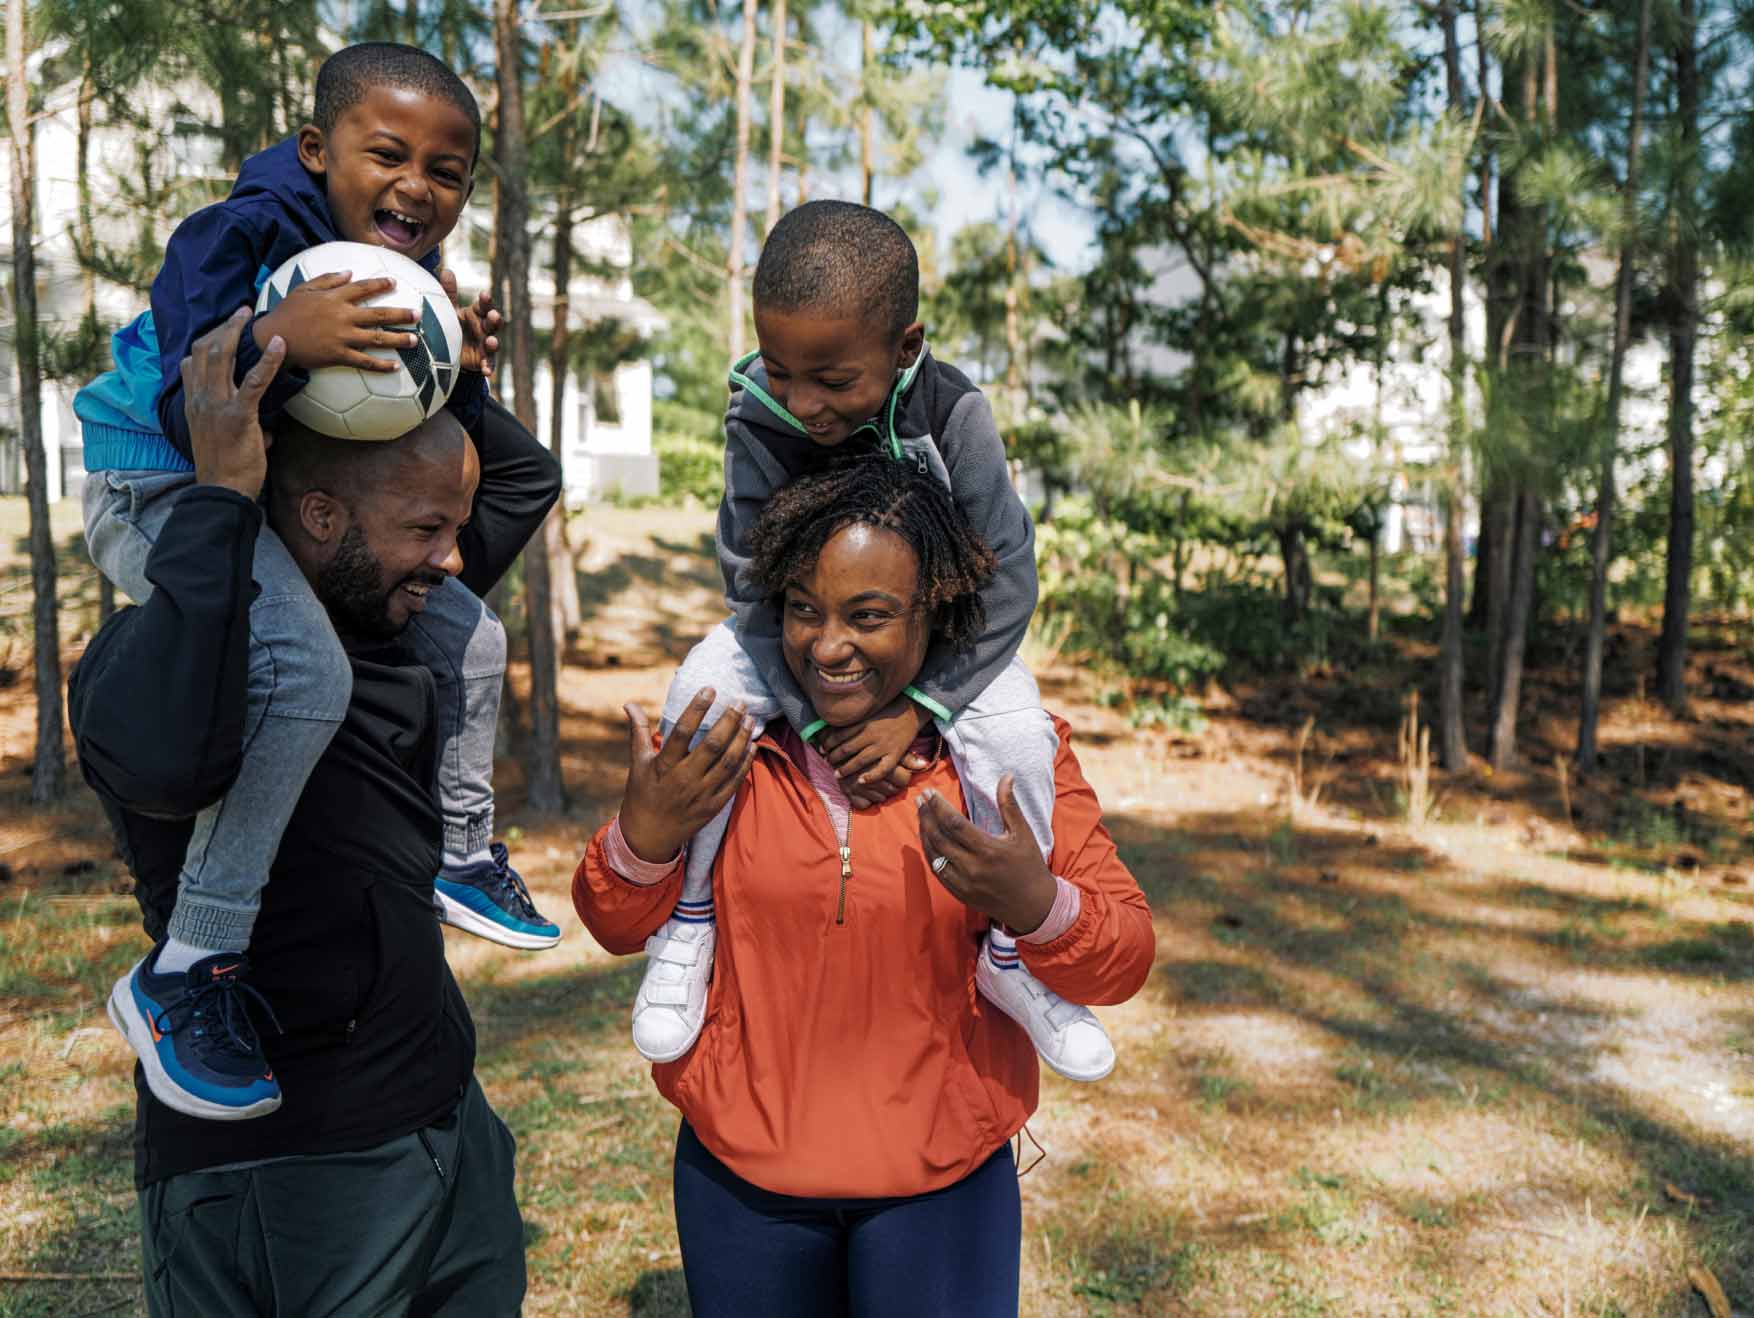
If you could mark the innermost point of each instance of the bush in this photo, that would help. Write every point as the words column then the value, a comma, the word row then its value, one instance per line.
column 689, row 467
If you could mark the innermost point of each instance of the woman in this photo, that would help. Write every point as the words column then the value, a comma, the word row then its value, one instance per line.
column 849, row 1105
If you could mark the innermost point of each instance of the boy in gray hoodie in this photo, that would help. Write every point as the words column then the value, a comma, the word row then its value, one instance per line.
column 843, row 362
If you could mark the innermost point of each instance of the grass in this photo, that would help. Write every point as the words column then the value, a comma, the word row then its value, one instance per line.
column 1372, row 1073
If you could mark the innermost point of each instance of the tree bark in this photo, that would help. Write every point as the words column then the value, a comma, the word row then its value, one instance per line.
column 1452, row 741
column 776, row 115
column 1518, row 608
column 1601, row 543
column 106, row 589
column 512, row 226
column 1683, row 333
column 1294, row 552
column 867, row 121
column 740, row 184
column 566, row 612
column 49, row 765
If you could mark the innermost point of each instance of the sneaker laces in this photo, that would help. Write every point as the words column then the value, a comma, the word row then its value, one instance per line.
column 235, row 1031
column 511, row 884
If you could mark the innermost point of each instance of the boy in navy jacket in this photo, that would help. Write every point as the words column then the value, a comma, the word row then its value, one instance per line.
column 388, row 160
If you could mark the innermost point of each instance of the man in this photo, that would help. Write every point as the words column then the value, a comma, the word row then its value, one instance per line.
column 383, row 1183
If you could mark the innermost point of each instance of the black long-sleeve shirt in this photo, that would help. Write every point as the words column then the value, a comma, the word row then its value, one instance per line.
column 378, row 1041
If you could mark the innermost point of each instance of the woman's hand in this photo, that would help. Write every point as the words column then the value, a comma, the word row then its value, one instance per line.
column 673, row 793
column 1004, row 877
column 874, row 754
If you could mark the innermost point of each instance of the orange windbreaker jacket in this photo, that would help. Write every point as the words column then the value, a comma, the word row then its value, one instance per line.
column 845, row 1051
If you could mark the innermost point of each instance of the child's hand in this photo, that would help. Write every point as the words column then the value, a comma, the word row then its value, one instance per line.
column 324, row 324
column 479, row 321
column 881, row 789
column 869, row 753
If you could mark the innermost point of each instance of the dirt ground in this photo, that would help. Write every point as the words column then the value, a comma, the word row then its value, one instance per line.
column 1497, row 1062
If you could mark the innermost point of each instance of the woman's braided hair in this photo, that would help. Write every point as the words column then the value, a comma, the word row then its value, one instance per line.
column 876, row 490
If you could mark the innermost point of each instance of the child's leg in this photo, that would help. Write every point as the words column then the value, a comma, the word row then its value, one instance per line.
column 300, row 683
column 299, row 687
column 719, row 662
column 1005, row 730
column 671, row 1004
column 463, row 643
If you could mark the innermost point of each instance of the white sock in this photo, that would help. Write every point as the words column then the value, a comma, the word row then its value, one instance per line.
column 176, row 956
column 455, row 860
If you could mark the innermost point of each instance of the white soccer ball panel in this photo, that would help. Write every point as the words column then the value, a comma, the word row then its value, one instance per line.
column 428, row 371
column 383, row 418
column 309, row 412
column 388, row 384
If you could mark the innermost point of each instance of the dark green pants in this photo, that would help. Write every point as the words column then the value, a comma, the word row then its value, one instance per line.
column 423, row 1225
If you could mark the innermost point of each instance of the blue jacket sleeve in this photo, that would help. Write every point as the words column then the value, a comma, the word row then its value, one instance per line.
column 209, row 272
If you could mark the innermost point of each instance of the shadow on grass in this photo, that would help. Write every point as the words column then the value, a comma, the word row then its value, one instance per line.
column 1385, row 971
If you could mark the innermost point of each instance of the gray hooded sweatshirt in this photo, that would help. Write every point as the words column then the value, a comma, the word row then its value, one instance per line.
column 934, row 418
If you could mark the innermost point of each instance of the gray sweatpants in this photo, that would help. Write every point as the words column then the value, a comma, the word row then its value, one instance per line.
column 1003, row 730
column 299, row 688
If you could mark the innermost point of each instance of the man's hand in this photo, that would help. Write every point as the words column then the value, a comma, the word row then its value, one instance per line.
column 480, row 323
column 1004, row 877
column 325, row 324
column 872, row 757
column 672, row 793
column 225, row 430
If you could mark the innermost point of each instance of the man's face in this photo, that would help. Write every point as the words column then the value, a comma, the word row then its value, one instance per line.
column 400, row 543
column 396, row 167
column 832, row 374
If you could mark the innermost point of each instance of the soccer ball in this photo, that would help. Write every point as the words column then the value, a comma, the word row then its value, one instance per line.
column 348, row 403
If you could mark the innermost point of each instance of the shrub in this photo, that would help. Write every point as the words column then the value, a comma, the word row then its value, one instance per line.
column 689, row 467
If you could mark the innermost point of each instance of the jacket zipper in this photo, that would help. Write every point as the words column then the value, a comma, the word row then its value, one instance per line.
column 843, row 837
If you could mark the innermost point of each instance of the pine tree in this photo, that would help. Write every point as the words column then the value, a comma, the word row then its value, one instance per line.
column 1602, row 540
column 48, row 765
column 546, row 791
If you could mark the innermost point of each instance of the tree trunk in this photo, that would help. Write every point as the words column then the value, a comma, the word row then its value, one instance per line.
column 1601, row 544
column 1506, row 700
column 567, row 612
column 1373, row 623
column 512, row 226
column 1452, row 740
column 1294, row 551
column 776, row 115
column 1684, row 279
column 740, row 185
column 867, row 121
column 49, row 766
column 106, row 589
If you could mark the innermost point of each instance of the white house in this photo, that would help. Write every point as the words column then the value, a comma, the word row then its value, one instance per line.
column 606, row 430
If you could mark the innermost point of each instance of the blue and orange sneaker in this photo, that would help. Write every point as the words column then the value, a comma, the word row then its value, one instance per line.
column 489, row 899
column 193, row 1034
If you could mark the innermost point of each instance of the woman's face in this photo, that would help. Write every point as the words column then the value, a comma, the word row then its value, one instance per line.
column 854, row 636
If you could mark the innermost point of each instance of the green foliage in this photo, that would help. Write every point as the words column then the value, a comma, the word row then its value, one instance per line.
column 689, row 467
column 1102, row 600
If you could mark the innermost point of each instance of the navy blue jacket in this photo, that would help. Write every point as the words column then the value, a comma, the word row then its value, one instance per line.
column 215, row 262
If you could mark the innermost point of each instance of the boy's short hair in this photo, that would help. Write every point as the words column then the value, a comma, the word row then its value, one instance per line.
column 348, row 74
column 842, row 258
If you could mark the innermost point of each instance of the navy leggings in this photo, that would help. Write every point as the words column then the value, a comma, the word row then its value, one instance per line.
column 750, row 1253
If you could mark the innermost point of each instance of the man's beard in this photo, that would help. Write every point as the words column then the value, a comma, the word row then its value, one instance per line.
column 351, row 587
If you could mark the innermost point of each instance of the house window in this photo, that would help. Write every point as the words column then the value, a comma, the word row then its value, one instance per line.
column 605, row 401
